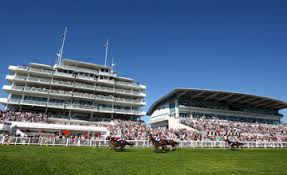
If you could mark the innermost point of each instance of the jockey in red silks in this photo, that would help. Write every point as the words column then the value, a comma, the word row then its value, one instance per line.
column 117, row 138
column 164, row 138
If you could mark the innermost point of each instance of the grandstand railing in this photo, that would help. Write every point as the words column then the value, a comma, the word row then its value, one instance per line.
column 46, row 141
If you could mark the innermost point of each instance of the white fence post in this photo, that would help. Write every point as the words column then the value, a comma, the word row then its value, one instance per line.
column 16, row 140
column 67, row 142
column 3, row 140
column 41, row 141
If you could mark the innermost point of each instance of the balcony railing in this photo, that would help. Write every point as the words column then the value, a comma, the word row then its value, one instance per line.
column 42, row 103
column 67, row 67
column 106, row 81
column 78, row 85
column 102, row 97
column 74, row 105
column 56, row 104
column 33, row 89
column 64, row 74
column 40, row 70
column 18, row 87
column 104, row 88
column 60, row 92
column 107, row 73
column 63, row 83
column 86, row 86
column 18, row 77
column 85, row 77
column 124, row 111
column 84, row 95
column 32, row 69
column 87, row 70
column 25, row 68
column 14, row 100
column 41, row 80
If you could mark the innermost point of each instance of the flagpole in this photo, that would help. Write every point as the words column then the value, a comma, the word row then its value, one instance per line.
column 113, row 65
column 62, row 47
column 106, row 55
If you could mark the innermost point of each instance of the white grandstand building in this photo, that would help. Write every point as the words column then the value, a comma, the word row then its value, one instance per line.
column 189, row 103
column 74, row 91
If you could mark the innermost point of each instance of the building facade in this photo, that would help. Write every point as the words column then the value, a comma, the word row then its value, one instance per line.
column 197, row 103
column 73, row 90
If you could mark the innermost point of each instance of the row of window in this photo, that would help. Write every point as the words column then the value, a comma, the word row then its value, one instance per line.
column 74, row 102
column 220, row 106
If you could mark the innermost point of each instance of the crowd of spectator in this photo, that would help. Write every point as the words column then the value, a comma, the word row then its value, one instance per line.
column 38, row 117
column 215, row 129
column 202, row 129
column 138, row 130
column 9, row 116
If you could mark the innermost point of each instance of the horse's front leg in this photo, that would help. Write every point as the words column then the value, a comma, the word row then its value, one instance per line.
column 163, row 148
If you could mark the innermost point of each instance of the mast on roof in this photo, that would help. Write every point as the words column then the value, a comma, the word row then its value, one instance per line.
column 113, row 65
column 61, row 51
column 106, row 45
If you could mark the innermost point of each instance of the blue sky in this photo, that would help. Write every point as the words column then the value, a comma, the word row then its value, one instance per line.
column 223, row 45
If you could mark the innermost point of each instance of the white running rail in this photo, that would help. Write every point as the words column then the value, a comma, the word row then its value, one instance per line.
column 45, row 141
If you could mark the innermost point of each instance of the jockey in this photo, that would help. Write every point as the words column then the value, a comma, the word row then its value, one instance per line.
column 123, row 139
column 118, row 138
column 165, row 138
column 157, row 138
column 225, row 137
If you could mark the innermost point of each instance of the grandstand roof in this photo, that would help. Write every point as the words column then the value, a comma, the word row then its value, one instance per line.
column 234, row 98
column 83, row 64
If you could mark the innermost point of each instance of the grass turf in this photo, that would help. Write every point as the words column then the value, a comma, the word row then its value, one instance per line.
column 81, row 160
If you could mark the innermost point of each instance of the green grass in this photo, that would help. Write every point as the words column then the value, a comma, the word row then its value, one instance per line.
column 79, row 160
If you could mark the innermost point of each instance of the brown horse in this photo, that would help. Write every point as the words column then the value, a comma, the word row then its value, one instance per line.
column 161, row 146
column 234, row 145
column 118, row 145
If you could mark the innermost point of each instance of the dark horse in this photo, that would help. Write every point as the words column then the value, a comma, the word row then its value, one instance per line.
column 234, row 145
column 161, row 146
column 118, row 145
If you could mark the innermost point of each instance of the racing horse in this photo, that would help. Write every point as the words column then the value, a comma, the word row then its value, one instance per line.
column 118, row 145
column 161, row 146
column 234, row 145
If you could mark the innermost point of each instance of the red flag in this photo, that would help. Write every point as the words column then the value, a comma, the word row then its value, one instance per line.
column 66, row 132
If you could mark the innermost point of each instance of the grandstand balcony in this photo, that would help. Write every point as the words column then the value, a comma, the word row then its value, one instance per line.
column 85, row 70
column 56, row 73
column 30, row 69
column 63, row 93
column 75, row 85
column 71, row 106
